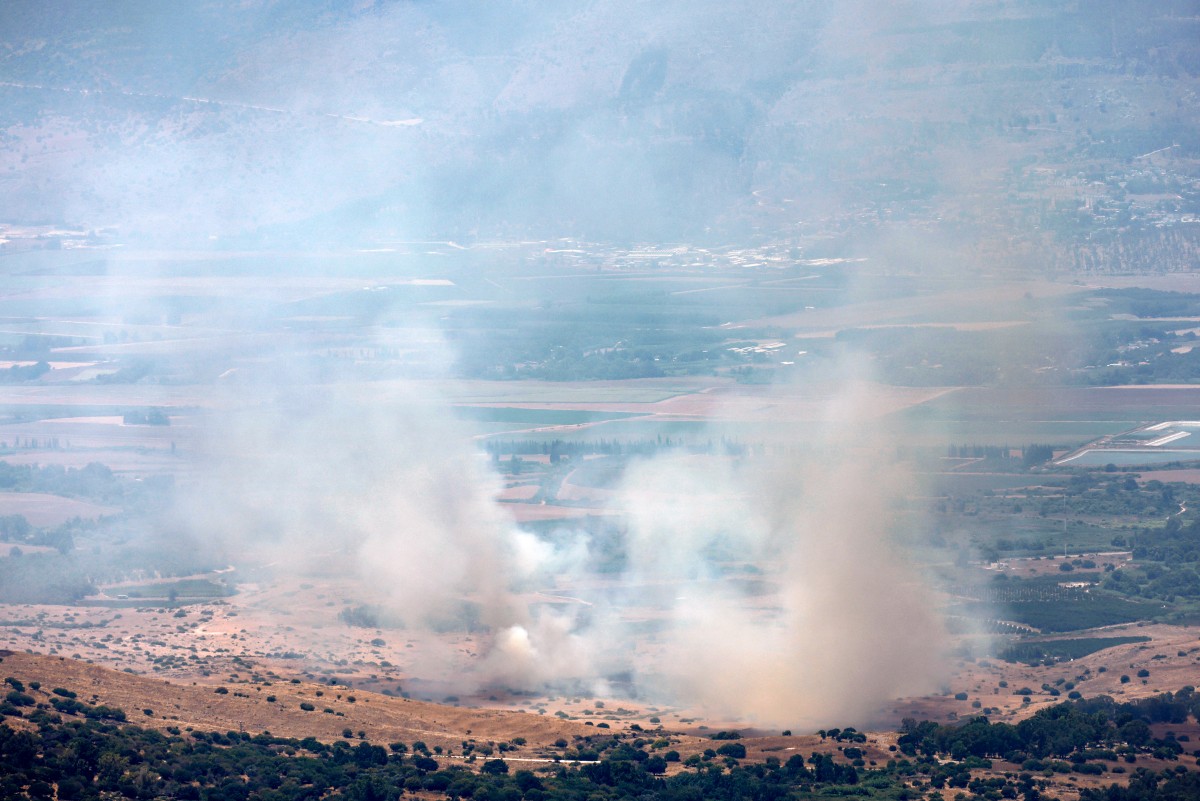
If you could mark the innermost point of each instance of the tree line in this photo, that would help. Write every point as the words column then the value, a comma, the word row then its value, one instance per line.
column 78, row 750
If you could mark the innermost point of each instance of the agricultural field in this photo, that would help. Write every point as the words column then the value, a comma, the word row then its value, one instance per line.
column 1039, row 651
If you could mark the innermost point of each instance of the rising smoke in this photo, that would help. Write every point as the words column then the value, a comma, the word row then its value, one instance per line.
column 763, row 587
column 846, row 622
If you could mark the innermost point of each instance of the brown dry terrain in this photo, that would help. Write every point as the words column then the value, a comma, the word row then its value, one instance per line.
column 253, row 701
column 1172, row 657
column 294, row 631
column 245, row 706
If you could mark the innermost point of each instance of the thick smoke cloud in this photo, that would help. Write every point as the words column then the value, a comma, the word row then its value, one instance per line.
column 769, row 584
column 385, row 488
column 842, row 623
column 846, row 624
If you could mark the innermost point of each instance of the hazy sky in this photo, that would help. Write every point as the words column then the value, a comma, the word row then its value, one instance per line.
column 612, row 119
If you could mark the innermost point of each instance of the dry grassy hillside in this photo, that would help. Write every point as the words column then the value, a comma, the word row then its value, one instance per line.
column 245, row 706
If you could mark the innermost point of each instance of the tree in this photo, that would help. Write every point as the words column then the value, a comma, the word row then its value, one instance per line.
column 495, row 767
column 735, row 750
column 425, row 763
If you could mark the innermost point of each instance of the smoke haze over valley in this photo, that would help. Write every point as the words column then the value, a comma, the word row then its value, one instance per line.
column 741, row 361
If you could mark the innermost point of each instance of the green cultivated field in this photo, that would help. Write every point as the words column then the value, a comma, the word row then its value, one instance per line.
column 1076, row 613
column 1034, row 652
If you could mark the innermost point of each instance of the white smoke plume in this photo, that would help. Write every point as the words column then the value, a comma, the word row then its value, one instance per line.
column 846, row 624
column 830, row 620
column 769, row 584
